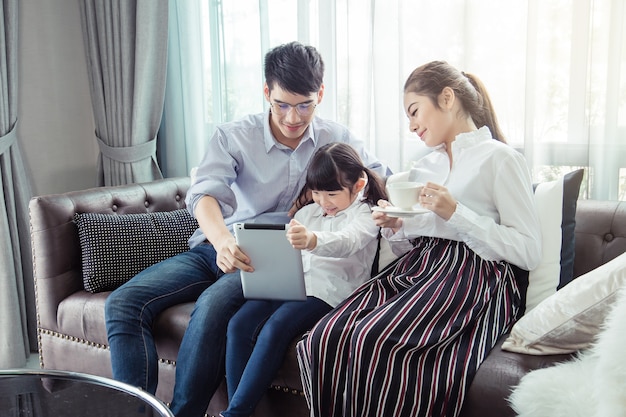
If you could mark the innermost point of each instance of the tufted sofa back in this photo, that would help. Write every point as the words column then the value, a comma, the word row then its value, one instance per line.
column 54, row 236
column 600, row 233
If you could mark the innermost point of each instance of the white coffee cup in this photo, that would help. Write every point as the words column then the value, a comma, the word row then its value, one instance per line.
column 404, row 194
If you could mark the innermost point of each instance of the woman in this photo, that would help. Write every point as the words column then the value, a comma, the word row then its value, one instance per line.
column 409, row 343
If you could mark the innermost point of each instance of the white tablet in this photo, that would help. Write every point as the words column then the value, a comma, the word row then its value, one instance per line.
column 278, row 272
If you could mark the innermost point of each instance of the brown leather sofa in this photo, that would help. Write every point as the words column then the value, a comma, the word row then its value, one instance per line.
column 71, row 327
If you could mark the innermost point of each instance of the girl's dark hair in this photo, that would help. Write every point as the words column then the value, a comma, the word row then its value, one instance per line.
column 430, row 80
column 336, row 166
column 294, row 67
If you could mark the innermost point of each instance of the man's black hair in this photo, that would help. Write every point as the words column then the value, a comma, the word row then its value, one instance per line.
column 294, row 67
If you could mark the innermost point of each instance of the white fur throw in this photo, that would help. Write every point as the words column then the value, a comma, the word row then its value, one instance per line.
column 591, row 385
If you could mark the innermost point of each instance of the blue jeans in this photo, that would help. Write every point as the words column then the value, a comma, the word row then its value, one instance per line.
column 258, row 337
column 131, row 310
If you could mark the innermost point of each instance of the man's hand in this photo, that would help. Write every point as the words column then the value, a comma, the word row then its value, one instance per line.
column 300, row 237
column 230, row 257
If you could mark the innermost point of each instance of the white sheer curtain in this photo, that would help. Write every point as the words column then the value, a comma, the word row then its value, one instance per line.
column 556, row 71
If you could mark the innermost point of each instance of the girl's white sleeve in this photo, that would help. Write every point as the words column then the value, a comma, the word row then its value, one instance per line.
column 352, row 238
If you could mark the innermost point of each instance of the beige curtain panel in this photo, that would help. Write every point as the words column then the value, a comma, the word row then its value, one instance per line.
column 16, row 278
column 126, row 47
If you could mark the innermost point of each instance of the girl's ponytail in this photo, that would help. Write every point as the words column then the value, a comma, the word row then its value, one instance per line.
column 375, row 188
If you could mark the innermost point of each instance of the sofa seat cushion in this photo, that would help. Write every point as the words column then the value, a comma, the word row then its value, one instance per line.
column 169, row 329
column 495, row 378
column 172, row 323
column 288, row 376
column 81, row 315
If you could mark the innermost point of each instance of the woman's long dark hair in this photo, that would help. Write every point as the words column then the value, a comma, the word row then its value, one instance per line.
column 336, row 166
column 430, row 79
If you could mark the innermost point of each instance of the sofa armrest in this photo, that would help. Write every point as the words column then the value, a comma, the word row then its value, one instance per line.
column 56, row 253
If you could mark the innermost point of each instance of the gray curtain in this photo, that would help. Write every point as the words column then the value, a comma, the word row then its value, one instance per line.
column 126, row 47
column 16, row 278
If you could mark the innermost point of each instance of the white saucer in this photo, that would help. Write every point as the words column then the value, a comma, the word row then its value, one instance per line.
column 398, row 212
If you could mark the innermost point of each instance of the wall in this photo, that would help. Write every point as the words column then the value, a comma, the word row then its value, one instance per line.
column 55, row 120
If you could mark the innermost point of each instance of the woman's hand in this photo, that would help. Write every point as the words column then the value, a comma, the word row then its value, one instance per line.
column 300, row 237
column 382, row 220
column 436, row 198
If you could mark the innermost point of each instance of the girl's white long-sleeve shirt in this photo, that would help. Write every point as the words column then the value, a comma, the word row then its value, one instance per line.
column 495, row 215
column 346, row 245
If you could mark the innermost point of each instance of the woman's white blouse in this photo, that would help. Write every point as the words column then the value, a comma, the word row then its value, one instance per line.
column 496, row 214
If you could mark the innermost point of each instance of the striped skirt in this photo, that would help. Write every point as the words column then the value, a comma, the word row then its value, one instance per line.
column 410, row 342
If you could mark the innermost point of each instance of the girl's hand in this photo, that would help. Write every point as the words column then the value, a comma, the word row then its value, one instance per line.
column 382, row 220
column 436, row 198
column 300, row 237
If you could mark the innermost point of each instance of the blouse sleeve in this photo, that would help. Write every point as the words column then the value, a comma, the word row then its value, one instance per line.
column 516, row 237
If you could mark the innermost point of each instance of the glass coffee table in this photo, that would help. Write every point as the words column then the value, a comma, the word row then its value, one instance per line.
column 48, row 393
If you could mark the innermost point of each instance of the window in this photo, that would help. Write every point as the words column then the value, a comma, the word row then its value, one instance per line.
column 555, row 71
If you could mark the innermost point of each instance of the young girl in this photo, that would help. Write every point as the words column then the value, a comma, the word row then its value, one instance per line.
column 338, row 239
column 409, row 343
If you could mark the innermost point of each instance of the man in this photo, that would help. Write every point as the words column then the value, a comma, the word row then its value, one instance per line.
column 253, row 170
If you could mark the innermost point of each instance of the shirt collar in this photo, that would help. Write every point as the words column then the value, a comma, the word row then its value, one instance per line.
column 468, row 139
column 435, row 166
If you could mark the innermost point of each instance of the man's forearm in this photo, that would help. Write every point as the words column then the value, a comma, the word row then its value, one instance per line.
column 211, row 221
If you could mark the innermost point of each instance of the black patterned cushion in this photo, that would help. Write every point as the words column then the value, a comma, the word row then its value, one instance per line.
column 116, row 247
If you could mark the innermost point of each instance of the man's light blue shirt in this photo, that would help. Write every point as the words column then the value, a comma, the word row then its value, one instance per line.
column 256, row 178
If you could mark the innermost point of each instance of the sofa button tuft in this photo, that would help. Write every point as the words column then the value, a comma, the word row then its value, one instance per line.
column 146, row 203
column 114, row 207
column 608, row 237
column 177, row 197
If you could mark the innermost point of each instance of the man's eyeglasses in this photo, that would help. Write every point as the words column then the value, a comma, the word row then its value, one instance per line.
column 303, row 109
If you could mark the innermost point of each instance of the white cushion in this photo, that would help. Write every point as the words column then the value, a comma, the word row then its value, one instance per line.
column 556, row 208
column 570, row 319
